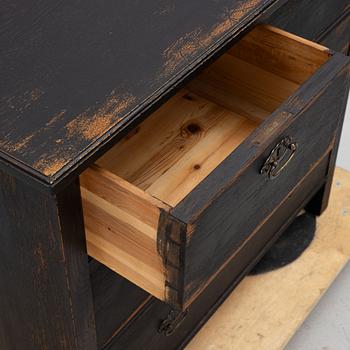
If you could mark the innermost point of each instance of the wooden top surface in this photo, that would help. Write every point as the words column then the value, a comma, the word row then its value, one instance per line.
column 74, row 74
column 265, row 311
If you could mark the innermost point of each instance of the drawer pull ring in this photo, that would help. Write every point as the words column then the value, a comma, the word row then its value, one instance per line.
column 279, row 158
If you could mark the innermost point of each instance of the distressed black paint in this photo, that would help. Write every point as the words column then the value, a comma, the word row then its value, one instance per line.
column 69, row 71
column 73, row 73
column 45, row 290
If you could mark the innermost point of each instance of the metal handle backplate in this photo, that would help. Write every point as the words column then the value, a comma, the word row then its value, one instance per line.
column 279, row 158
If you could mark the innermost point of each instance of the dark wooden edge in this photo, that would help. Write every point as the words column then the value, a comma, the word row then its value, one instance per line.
column 191, row 207
column 171, row 242
column 12, row 167
column 149, row 105
column 320, row 201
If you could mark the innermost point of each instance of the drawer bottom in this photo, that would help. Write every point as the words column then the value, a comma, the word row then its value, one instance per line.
column 141, row 329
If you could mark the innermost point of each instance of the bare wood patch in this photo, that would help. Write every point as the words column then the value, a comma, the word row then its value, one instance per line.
column 186, row 46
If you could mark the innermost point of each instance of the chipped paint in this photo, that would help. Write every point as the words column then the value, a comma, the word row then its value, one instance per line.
column 23, row 101
column 186, row 46
column 56, row 139
column 50, row 167
column 166, row 9
column 86, row 126
column 23, row 143
column 35, row 94
column 89, row 125
column 56, row 118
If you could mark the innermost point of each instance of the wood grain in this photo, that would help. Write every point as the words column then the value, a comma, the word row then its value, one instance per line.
column 281, row 53
column 178, row 146
column 121, row 223
column 243, row 87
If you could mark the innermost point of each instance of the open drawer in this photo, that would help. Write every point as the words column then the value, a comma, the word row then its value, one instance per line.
column 177, row 198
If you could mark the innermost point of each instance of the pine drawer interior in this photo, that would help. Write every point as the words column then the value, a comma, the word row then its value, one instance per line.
column 163, row 159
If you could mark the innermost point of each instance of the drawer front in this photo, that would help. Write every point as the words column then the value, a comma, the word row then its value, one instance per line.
column 224, row 212
column 337, row 37
column 141, row 328
column 308, row 18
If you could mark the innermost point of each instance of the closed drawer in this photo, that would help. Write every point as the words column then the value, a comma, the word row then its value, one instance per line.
column 308, row 18
column 337, row 37
column 176, row 199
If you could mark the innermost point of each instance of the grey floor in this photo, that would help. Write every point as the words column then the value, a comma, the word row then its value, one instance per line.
column 328, row 326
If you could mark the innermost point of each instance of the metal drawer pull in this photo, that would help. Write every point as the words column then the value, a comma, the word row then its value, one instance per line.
column 279, row 158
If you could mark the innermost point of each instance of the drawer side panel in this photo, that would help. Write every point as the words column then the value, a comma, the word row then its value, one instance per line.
column 121, row 225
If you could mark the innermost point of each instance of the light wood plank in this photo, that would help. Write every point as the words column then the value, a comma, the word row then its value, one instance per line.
column 121, row 223
column 122, row 194
column 170, row 160
column 243, row 87
column 229, row 132
column 117, row 259
column 163, row 139
column 130, row 157
column 280, row 52
column 265, row 311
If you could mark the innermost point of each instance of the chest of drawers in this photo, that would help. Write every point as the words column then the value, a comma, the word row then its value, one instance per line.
column 151, row 153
